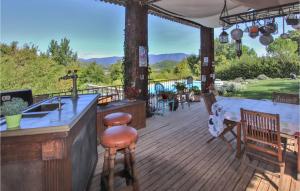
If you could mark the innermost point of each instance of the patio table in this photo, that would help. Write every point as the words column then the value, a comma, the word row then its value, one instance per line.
column 289, row 117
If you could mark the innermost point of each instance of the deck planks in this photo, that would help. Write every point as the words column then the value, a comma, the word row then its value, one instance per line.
column 172, row 154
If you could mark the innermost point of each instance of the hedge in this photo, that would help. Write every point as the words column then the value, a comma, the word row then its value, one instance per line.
column 251, row 67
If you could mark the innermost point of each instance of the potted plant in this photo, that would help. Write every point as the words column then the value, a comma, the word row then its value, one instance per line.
column 166, row 94
column 180, row 87
column 12, row 110
column 196, row 93
column 132, row 93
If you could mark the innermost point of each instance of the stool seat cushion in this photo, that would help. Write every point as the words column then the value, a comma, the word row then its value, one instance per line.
column 118, row 137
column 118, row 118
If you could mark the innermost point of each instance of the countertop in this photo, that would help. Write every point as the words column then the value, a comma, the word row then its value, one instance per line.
column 52, row 121
column 118, row 104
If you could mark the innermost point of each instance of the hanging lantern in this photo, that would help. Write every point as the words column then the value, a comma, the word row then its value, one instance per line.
column 236, row 34
column 292, row 19
column 266, row 39
column 223, row 38
column 238, row 48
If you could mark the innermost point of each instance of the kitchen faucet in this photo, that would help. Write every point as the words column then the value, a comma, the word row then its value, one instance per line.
column 72, row 75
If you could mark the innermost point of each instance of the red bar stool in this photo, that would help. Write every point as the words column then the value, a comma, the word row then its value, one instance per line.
column 118, row 118
column 119, row 138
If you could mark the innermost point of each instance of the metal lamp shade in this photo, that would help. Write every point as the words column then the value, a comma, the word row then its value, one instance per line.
column 292, row 20
column 284, row 36
column 223, row 38
column 271, row 27
column 236, row 34
column 297, row 27
column 238, row 48
column 266, row 39
column 253, row 31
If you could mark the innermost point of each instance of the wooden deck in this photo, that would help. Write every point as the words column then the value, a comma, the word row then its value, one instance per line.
column 172, row 154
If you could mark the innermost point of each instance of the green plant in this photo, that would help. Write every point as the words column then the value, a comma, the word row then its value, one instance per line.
column 262, row 77
column 180, row 86
column 166, row 94
column 13, row 107
column 196, row 90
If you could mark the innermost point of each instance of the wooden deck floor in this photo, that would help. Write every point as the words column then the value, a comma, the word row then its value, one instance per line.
column 172, row 154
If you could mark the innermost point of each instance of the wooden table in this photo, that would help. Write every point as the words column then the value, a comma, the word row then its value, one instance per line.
column 136, row 108
column 289, row 117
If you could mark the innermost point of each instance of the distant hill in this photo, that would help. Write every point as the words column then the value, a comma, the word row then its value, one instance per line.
column 153, row 58
column 164, row 65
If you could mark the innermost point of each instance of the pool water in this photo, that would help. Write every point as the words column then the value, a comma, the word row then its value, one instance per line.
column 169, row 85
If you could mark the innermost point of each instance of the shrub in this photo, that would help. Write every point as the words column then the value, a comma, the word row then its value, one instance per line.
column 13, row 107
column 239, row 80
column 180, row 86
column 262, row 77
column 196, row 90
column 250, row 67
column 229, row 88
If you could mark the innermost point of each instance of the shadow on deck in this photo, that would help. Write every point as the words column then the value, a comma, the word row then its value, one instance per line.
column 172, row 154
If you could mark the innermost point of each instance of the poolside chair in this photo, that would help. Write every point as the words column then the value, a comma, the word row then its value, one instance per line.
column 189, row 82
column 209, row 100
column 162, row 103
column 262, row 140
column 286, row 98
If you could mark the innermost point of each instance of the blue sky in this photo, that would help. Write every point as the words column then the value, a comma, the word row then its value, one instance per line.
column 96, row 29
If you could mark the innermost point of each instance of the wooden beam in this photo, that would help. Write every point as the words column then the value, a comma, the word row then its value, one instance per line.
column 136, row 36
column 207, row 58
column 147, row 2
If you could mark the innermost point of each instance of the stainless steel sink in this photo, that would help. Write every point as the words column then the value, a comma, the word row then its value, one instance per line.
column 34, row 115
column 44, row 108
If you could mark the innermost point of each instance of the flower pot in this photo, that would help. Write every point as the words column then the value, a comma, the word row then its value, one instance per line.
column 13, row 121
column 164, row 96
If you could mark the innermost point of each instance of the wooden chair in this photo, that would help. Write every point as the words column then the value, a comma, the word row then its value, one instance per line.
column 286, row 98
column 209, row 100
column 262, row 139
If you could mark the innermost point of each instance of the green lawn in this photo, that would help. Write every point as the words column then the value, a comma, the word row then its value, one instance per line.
column 262, row 89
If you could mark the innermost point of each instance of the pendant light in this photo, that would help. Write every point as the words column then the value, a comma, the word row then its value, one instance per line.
column 223, row 37
column 238, row 48
column 237, row 33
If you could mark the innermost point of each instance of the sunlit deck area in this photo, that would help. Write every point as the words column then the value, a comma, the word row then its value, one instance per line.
column 172, row 154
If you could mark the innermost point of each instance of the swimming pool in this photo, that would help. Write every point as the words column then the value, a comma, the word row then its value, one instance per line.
column 169, row 85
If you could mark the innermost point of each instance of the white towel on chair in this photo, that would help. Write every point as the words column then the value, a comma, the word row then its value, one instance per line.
column 216, row 121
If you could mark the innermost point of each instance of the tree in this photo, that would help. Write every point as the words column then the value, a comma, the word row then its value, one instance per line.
column 193, row 62
column 182, row 70
column 283, row 50
column 295, row 36
column 61, row 53
column 226, row 52
column 92, row 73
column 116, row 71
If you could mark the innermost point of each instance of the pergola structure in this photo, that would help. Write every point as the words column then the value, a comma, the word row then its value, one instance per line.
column 202, row 14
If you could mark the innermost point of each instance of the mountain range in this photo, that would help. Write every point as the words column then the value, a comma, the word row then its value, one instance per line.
column 153, row 58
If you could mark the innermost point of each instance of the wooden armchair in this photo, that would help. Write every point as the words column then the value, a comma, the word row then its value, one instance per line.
column 209, row 100
column 286, row 98
column 262, row 139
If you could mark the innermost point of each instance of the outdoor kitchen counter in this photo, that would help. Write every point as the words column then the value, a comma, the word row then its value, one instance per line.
column 52, row 121
column 55, row 152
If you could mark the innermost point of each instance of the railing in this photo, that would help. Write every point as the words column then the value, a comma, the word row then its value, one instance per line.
column 117, row 91
column 168, row 85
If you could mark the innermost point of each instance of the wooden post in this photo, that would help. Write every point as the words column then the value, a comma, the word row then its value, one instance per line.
column 207, row 58
column 136, row 36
